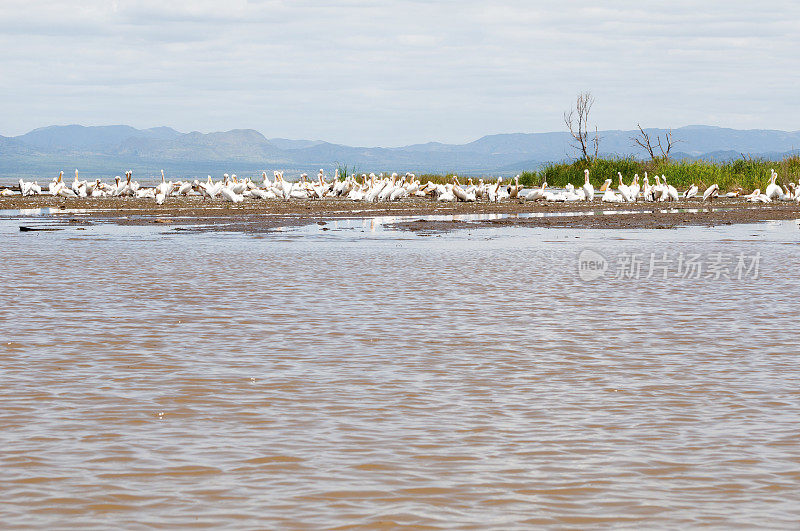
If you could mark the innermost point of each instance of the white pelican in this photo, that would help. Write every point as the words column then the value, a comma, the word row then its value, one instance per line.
column 647, row 190
column 672, row 193
column 659, row 190
column 445, row 193
column 690, row 192
column 588, row 189
column 609, row 196
column 79, row 187
column 387, row 190
column 413, row 188
column 146, row 193
column 237, row 186
column 258, row 193
column 758, row 197
column 753, row 194
column 735, row 193
column 118, row 186
column 133, row 185
column 56, row 184
column 374, row 188
column 711, row 192
column 164, row 187
column 97, row 190
column 513, row 191
column 624, row 190
column 773, row 191
column 460, row 193
column 537, row 193
column 634, row 187
column 494, row 193
column 229, row 195
column 185, row 188
column 63, row 191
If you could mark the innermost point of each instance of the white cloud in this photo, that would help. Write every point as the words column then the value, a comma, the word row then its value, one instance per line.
column 395, row 72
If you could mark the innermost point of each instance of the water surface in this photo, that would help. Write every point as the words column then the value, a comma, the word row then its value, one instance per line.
column 359, row 377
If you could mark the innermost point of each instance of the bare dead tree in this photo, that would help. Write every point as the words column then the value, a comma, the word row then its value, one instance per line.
column 643, row 140
column 577, row 121
column 669, row 141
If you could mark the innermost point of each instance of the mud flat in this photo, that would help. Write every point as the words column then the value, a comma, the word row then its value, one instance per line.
column 419, row 215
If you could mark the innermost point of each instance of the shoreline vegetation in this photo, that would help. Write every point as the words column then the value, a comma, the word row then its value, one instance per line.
column 745, row 173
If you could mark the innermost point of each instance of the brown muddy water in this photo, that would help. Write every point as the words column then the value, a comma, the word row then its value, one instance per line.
column 362, row 377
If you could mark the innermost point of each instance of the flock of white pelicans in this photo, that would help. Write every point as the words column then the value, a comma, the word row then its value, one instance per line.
column 373, row 188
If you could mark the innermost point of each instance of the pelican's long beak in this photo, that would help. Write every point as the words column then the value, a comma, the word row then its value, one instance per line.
column 603, row 187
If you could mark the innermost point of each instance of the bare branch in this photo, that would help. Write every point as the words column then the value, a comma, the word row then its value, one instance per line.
column 670, row 143
column 577, row 121
column 643, row 140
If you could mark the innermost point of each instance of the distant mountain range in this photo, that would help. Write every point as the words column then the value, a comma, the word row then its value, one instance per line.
column 110, row 150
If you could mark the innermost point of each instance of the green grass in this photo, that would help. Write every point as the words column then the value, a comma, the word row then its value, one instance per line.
column 345, row 170
column 746, row 173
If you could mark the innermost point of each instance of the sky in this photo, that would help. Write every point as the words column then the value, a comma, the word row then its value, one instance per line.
column 396, row 72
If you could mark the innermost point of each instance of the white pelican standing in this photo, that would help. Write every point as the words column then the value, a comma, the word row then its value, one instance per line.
column 56, row 184
column 773, row 191
column 625, row 190
column 494, row 193
column 165, row 187
column 659, row 190
column 77, row 185
column 711, row 192
column 588, row 189
column 672, row 193
column 691, row 192
column 647, row 190
column 634, row 187
column 513, row 191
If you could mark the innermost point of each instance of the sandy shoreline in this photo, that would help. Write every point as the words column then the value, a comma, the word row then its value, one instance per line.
column 263, row 216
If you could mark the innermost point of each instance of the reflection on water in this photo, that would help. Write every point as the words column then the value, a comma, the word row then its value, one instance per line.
column 44, row 211
column 453, row 381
